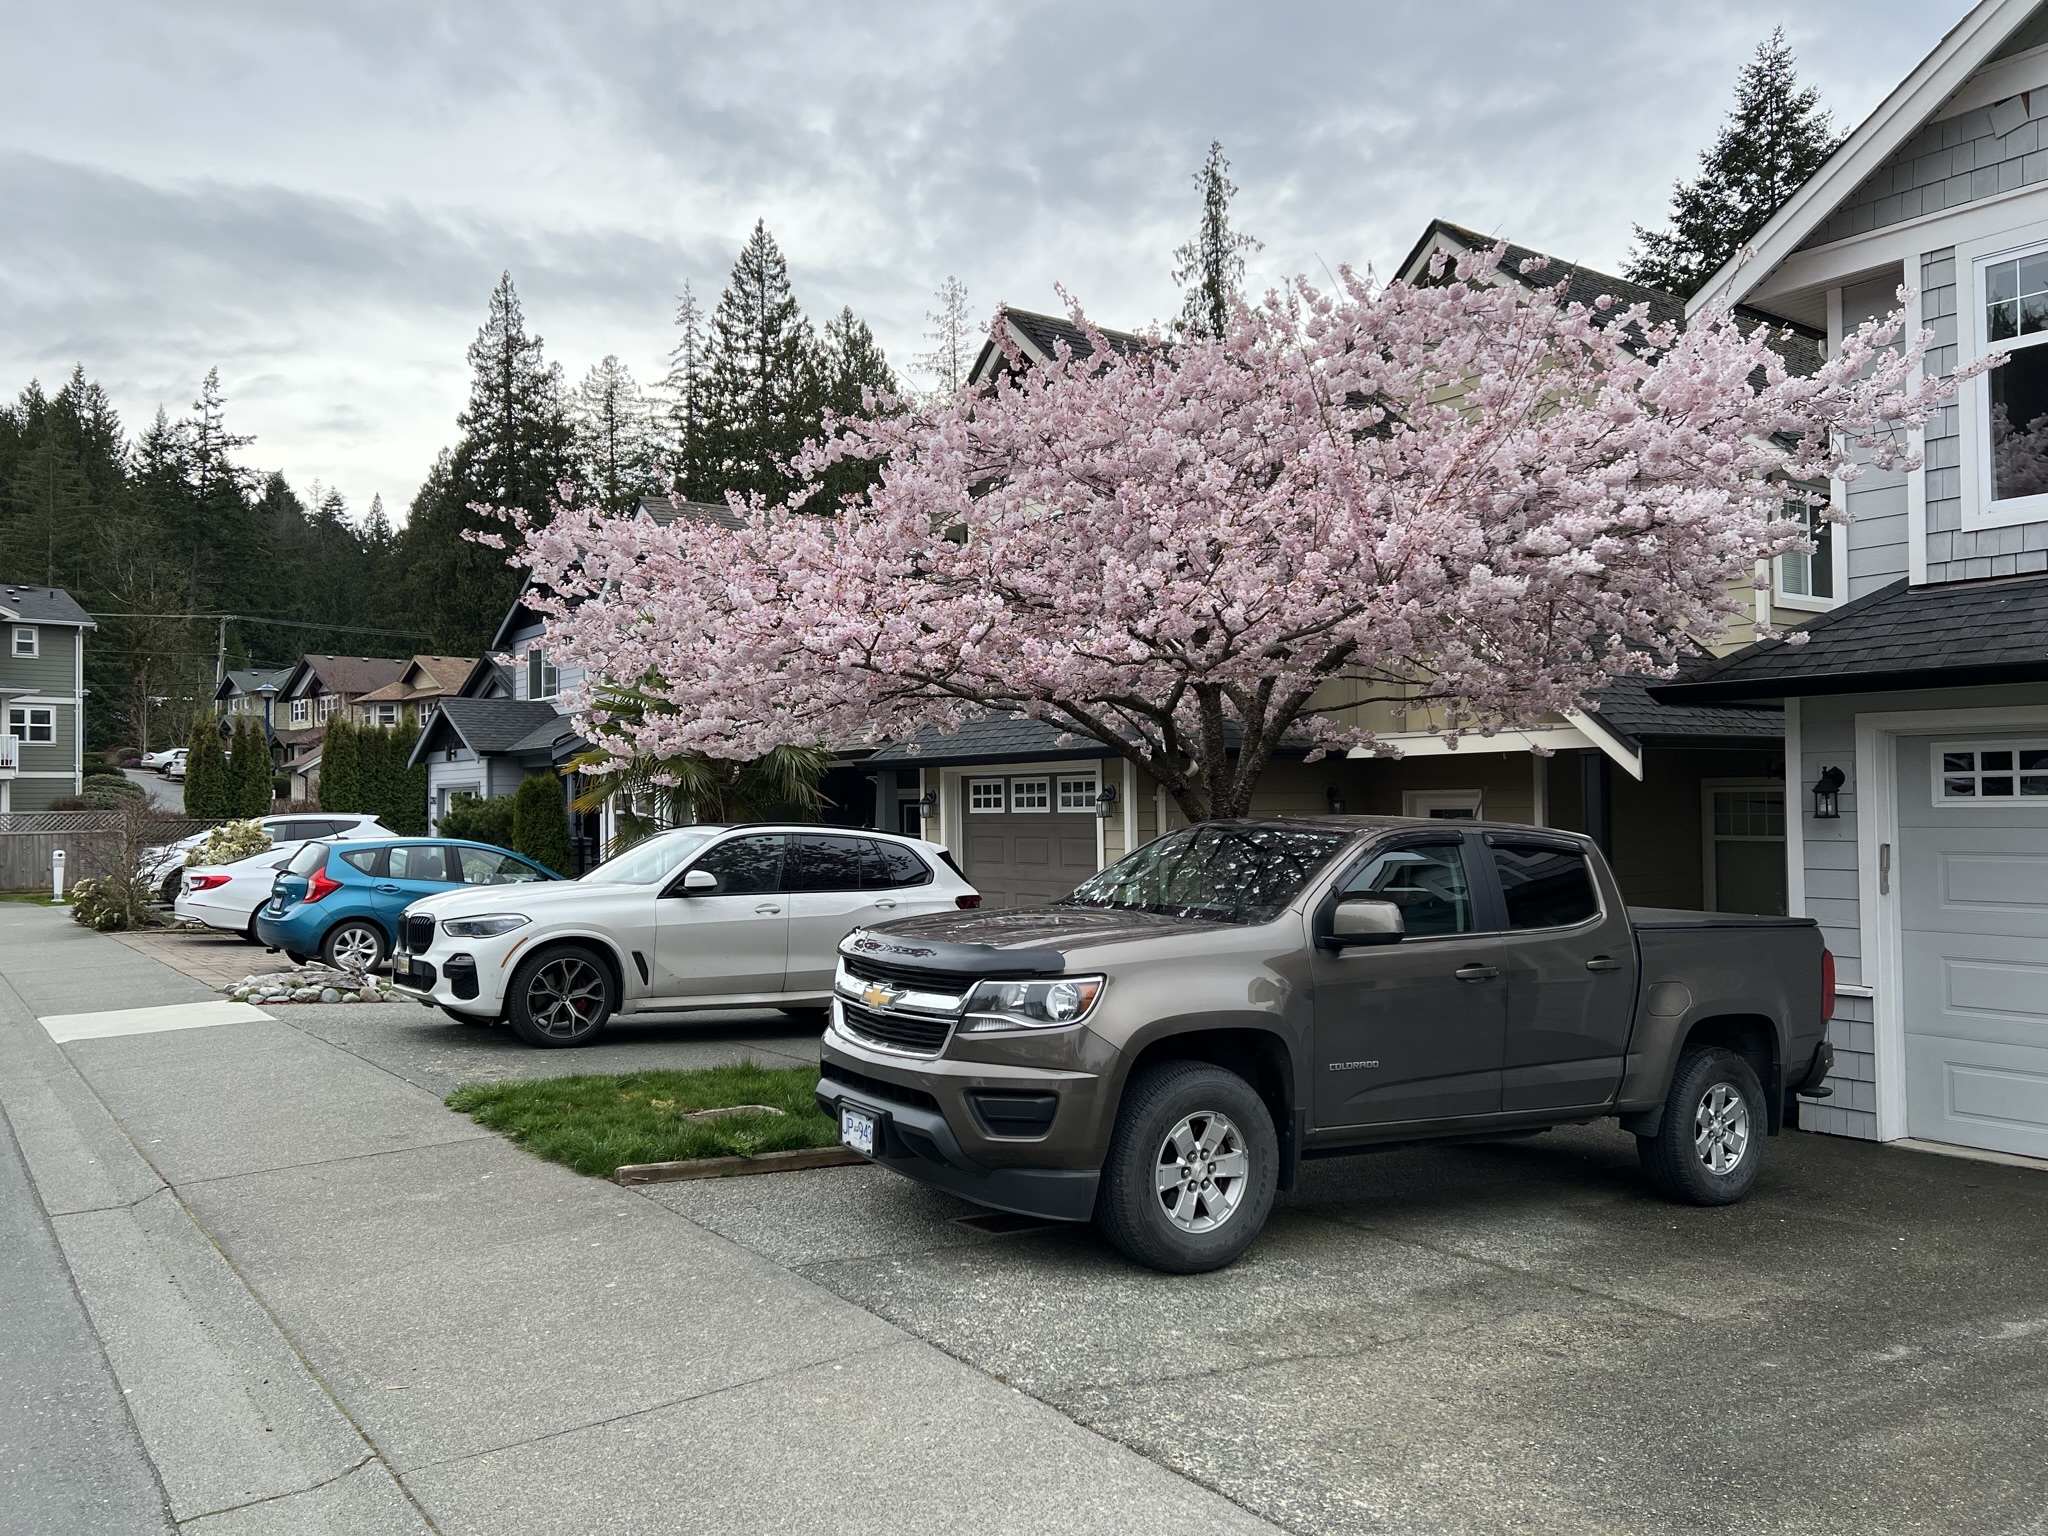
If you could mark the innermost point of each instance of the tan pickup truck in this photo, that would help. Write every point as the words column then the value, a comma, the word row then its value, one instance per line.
column 1160, row 1050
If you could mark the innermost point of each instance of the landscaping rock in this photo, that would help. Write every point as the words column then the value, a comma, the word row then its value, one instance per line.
column 310, row 983
column 330, row 995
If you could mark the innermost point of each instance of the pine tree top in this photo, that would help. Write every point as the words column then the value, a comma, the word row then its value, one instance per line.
column 1774, row 138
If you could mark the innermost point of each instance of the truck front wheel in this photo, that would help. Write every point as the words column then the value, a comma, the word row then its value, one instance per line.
column 1710, row 1145
column 1191, row 1169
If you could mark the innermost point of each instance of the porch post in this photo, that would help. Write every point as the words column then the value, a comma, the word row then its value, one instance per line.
column 1596, row 799
column 885, row 817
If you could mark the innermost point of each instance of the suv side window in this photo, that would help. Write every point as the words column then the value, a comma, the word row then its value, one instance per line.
column 746, row 866
column 1545, row 887
column 826, row 863
column 1428, row 884
column 894, row 866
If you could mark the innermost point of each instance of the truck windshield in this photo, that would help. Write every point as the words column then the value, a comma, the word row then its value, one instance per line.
column 1217, row 874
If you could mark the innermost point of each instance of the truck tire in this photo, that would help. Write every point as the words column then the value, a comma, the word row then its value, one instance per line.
column 1191, row 1169
column 561, row 997
column 1710, row 1145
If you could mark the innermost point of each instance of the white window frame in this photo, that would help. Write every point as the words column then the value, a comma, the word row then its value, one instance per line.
column 1973, row 415
column 1938, row 775
column 25, row 720
column 543, row 677
column 324, row 710
column 973, row 792
column 1078, row 792
column 384, row 714
column 34, row 638
column 1710, row 839
column 1039, row 789
column 1782, row 596
column 302, row 711
column 1427, row 802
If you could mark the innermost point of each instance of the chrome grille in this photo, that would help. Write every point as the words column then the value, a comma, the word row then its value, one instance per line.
column 913, row 977
column 915, row 1034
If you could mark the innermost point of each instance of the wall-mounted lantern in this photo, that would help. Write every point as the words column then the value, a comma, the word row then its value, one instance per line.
column 1827, row 791
column 927, row 805
column 1105, row 802
column 1336, row 798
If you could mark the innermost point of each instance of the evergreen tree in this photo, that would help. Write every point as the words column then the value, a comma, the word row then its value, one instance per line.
column 406, row 808
column 681, row 416
column 514, row 451
column 952, row 337
column 614, row 438
column 1775, row 137
column 855, row 377
column 1211, row 266
column 340, row 782
column 249, row 770
column 540, row 822
column 208, row 792
column 762, row 380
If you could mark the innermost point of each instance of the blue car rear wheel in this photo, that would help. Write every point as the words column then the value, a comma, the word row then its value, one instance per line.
column 354, row 944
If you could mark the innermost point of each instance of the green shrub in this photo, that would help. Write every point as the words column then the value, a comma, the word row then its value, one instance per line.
column 105, row 794
column 249, row 771
column 280, row 786
column 479, row 821
column 108, row 903
column 92, row 768
column 540, row 822
column 224, row 845
column 207, row 791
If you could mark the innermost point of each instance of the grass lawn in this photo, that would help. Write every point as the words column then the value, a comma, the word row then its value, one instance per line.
column 594, row 1124
column 40, row 898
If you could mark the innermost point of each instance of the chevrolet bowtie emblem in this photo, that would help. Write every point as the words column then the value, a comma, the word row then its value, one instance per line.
column 877, row 995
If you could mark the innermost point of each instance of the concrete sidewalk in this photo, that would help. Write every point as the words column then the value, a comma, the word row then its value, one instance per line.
column 332, row 1305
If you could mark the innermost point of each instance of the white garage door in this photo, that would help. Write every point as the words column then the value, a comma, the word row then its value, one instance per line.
column 1973, row 881
column 1030, row 837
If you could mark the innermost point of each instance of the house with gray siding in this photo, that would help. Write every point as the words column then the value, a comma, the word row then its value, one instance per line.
column 42, row 688
column 1916, row 710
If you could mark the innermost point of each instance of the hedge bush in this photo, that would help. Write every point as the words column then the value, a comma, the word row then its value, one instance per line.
column 540, row 822
column 479, row 821
column 224, row 845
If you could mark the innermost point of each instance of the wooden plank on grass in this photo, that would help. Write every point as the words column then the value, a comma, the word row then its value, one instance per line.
column 726, row 1167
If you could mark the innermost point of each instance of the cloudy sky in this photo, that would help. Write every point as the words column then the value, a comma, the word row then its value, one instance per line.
column 318, row 199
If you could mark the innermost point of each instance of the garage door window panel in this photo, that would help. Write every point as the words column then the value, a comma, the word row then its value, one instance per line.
column 986, row 797
column 1078, row 794
column 1981, row 773
column 1030, row 796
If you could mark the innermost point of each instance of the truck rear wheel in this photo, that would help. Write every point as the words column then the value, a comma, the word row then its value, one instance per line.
column 1710, row 1145
column 1191, row 1169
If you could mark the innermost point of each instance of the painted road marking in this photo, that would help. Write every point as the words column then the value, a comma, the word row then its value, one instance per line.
column 63, row 1027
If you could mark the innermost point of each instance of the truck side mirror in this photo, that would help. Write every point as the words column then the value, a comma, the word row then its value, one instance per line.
column 698, row 880
column 1364, row 920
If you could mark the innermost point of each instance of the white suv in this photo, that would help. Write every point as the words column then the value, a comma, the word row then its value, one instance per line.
column 697, row 917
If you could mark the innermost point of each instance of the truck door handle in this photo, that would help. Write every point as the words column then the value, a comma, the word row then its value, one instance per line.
column 1476, row 972
column 1602, row 963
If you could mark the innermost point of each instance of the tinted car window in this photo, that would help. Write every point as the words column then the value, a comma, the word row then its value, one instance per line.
column 746, row 866
column 827, row 863
column 1545, row 887
column 482, row 867
column 369, row 860
column 1215, row 873
column 894, row 865
column 308, row 859
column 419, row 861
column 1428, row 885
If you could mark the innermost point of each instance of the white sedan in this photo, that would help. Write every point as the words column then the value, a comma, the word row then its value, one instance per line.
column 161, row 758
column 163, row 869
column 697, row 917
column 226, row 896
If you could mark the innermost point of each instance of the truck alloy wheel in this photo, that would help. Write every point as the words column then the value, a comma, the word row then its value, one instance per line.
column 1191, row 1169
column 1708, row 1149
column 560, row 997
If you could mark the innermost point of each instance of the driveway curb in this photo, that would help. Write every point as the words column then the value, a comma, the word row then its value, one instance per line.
column 728, row 1167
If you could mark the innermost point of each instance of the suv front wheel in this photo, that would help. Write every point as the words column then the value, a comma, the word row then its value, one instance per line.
column 1191, row 1170
column 561, row 997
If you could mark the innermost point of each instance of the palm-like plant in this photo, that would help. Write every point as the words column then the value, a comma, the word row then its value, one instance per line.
column 648, row 793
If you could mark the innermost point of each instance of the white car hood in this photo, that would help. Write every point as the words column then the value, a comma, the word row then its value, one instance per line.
column 533, row 898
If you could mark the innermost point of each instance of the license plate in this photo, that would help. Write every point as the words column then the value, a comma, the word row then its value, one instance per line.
column 857, row 1130
column 401, row 969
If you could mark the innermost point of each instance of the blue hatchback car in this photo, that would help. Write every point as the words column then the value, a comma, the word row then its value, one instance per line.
column 341, row 901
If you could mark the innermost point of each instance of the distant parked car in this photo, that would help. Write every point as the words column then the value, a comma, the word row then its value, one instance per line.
column 160, row 759
column 344, row 902
column 174, row 765
column 697, row 917
column 164, row 868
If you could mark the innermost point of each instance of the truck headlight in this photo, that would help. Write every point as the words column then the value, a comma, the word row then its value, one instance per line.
column 488, row 926
column 997, row 1005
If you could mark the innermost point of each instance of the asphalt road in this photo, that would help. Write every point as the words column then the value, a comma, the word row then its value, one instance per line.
column 165, row 794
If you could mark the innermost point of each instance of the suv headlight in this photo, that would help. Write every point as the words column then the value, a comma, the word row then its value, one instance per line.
column 997, row 1005
column 488, row 926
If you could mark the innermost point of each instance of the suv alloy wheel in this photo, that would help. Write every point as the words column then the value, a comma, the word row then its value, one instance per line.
column 561, row 997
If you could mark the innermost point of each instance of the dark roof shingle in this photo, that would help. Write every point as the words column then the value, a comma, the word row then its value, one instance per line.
column 43, row 605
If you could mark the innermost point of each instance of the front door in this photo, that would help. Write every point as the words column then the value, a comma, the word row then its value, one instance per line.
column 1412, row 1031
column 1972, row 875
column 1571, row 978
column 732, row 939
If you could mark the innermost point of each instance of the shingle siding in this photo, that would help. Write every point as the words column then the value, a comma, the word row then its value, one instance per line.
column 1879, row 538
column 1958, row 160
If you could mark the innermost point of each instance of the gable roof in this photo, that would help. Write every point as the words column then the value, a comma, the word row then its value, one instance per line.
column 1987, row 34
column 487, row 679
column 42, row 605
column 495, row 726
column 1039, row 336
column 250, row 680
column 1900, row 636
column 665, row 511
column 350, row 676
column 424, row 677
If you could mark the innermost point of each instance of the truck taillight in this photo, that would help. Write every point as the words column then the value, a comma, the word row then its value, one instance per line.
column 966, row 903
column 318, row 884
column 1827, row 984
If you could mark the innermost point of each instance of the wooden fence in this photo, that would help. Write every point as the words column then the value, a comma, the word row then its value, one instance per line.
column 91, row 841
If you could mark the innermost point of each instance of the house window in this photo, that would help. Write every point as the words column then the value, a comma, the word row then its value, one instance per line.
column 25, row 643
column 385, row 714
column 542, row 680
column 1077, row 794
column 302, row 711
column 1030, row 794
column 26, row 723
column 1809, row 575
column 1980, row 773
column 2015, row 315
column 985, row 796
column 326, row 709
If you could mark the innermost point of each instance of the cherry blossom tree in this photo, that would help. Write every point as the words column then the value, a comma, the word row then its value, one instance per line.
column 1463, row 496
